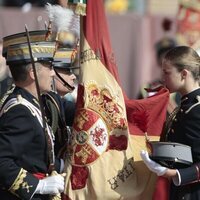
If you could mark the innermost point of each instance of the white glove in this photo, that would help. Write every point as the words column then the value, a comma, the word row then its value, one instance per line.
column 153, row 166
column 50, row 185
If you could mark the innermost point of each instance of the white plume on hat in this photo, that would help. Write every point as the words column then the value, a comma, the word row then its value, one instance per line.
column 63, row 19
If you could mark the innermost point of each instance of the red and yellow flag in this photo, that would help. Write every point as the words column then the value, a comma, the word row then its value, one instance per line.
column 109, row 128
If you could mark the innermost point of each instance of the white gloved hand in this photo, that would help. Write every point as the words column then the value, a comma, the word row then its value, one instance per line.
column 51, row 185
column 153, row 166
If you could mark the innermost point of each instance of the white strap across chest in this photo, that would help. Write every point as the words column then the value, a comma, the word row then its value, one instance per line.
column 33, row 109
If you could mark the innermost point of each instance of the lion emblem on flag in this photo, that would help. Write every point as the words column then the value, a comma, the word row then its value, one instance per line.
column 100, row 125
column 90, row 137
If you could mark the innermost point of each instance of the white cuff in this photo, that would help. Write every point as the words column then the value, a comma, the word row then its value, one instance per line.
column 62, row 165
column 177, row 179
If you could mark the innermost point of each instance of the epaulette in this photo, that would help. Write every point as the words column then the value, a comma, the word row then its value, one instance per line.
column 3, row 99
column 20, row 100
column 194, row 105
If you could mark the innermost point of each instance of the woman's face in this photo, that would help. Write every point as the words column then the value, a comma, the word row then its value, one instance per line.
column 172, row 78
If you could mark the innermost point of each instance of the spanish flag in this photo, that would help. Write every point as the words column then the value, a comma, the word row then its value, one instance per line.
column 109, row 128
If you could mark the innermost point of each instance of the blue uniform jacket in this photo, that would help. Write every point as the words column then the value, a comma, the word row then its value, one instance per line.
column 185, row 129
column 23, row 151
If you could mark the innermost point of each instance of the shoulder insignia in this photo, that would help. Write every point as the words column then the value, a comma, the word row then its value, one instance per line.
column 194, row 105
column 20, row 100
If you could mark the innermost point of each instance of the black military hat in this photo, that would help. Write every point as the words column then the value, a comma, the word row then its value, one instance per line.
column 65, row 28
column 19, row 53
column 171, row 154
column 16, row 49
column 19, row 38
column 65, row 58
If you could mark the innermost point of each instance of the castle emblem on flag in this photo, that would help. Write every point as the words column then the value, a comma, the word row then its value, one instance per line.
column 91, row 137
column 99, row 126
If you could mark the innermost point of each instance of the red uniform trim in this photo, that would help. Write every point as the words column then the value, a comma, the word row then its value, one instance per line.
column 39, row 175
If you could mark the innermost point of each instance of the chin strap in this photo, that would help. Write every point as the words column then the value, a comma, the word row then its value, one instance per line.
column 67, row 85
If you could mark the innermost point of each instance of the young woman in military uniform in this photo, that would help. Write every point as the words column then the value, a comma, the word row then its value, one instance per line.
column 181, row 71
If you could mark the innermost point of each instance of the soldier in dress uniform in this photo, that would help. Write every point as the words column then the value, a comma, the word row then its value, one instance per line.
column 60, row 112
column 181, row 71
column 26, row 141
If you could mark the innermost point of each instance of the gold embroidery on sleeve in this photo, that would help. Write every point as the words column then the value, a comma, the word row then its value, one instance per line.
column 19, row 183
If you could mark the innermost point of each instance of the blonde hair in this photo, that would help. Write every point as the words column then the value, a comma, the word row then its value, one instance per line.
column 184, row 57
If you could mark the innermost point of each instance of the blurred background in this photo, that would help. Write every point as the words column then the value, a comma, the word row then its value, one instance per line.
column 139, row 29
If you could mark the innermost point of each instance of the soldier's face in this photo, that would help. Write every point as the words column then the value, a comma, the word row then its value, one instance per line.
column 68, row 77
column 45, row 74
